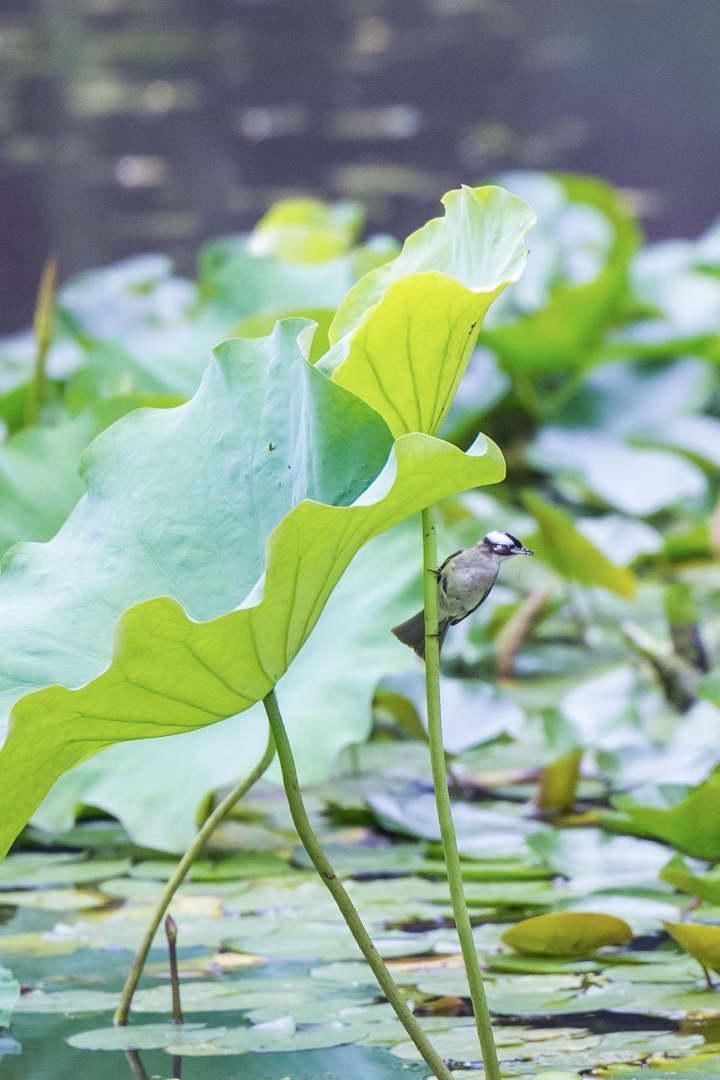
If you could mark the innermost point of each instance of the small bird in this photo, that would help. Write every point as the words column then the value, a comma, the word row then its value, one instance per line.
column 464, row 582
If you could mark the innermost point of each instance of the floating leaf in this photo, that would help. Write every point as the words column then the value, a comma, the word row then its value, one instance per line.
column 701, row 941
column 566, row 933
column 688, row 819
column 36, row 870
column 571, row 553
column 705, row 886
column 594, row 861
column 482, row 833
column 634, row 481
column 142, row 1036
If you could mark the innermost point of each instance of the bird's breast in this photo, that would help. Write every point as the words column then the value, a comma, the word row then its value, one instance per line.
column 465, row 583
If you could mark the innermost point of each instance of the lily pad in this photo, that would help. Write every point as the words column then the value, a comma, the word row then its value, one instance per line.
column 32, row 871
column 571, row 933
column 141, row 1036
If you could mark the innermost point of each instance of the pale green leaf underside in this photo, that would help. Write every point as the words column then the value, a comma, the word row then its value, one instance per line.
column 402, row 337
column 170, row 674
column 158, row 788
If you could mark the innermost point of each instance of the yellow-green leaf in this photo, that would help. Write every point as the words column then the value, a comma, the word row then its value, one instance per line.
column 566, row 933
column 402, row 337
column 700, row 941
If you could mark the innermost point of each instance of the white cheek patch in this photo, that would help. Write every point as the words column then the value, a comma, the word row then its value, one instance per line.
column 501, row 538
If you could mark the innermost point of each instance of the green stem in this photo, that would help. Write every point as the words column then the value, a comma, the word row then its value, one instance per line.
column 442, row 799
column 171, row 935
column 207, row 828
column 136, row 1066
column 43, row 324
column 347, row 909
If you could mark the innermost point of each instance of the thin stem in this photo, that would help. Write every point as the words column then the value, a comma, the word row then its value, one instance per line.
column 43, row 324
column 136, row 1066
column 347, row 909
column 206, row 830
column 442, row 799
column 171, row 935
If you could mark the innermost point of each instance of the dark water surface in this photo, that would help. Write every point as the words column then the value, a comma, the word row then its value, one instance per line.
column 129, row 125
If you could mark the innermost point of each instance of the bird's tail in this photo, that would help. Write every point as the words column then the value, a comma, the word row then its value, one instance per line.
column 412, row 632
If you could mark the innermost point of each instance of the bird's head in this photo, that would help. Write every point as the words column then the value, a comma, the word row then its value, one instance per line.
column 504, row 544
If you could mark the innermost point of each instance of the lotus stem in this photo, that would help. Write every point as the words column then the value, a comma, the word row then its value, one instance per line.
column 206, row 830
column 347, row 909
column 171, row 934
column 442, row 799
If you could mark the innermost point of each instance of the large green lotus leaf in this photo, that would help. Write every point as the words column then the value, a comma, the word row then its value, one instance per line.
column 39, row 478
column 690, row 821
column 158, row 787
column 567, row 329
column 571, row 553
column 267, row 439
column 149, row 361
column 402, row 338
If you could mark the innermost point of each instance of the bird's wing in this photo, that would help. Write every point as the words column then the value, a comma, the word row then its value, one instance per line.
column 444, row 563
column 483, row 598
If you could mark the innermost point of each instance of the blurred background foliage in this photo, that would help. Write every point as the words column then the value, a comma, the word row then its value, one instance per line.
column 130, row 125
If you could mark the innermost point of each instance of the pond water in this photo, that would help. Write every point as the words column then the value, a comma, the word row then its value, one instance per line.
column 131, row 125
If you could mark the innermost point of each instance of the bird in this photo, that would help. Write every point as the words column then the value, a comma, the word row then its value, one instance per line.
column 465, row 580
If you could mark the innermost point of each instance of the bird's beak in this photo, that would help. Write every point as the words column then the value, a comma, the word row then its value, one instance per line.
column 525, row 551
